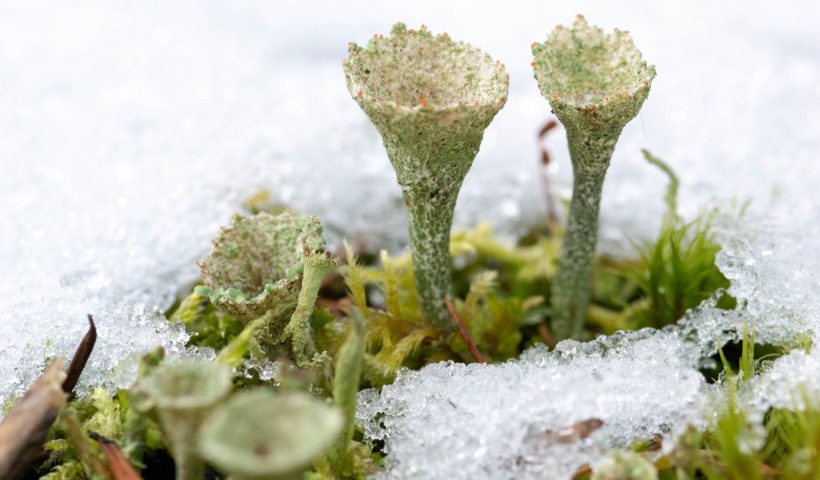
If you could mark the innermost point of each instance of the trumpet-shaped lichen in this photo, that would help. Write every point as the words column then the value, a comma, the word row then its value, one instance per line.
column 431, row 99
column 596, row 83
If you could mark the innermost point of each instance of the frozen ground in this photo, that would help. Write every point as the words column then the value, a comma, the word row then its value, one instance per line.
column 129, row 131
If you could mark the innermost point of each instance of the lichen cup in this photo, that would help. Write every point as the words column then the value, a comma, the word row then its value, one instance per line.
column 262, row 435
column 596, row 83
column 181, row 395
column 256, row 263
column 431, row 99
column 272, row 267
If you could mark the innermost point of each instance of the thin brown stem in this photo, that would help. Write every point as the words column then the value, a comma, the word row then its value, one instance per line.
column 463, row 331
column 552, row 211
column 546, row 336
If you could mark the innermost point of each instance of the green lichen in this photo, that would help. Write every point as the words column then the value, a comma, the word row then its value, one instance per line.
column 431, row 99
column 181, row 395
column 256, row 264
column 262, row 435
column 266, row 270
column 596, row 83
column 316, row 266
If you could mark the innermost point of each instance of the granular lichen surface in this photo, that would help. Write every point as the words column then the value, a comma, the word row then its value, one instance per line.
column 595, row 83
column 431, row 99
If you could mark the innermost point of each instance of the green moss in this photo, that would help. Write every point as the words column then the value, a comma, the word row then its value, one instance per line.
column 208, row 326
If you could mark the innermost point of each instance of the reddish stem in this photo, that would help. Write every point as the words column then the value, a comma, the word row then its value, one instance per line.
column 463, row 331
column 552, row 211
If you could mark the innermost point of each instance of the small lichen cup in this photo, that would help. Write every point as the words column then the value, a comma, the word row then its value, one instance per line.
column 596, row 83
column 272, row 267
column 430, row 98
column 180, row 396
column 262, row 435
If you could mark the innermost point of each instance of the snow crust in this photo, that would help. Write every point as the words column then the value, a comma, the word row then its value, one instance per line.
column 500, row 421
column 131, row 131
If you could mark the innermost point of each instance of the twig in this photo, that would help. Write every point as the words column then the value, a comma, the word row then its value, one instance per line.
column 80, row 358
column 463, row 331
column 576, row 431
column 584, row 469
column 117, row 463
column 24, row 430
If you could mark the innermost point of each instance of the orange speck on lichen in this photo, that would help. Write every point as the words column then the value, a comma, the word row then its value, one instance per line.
column 422, row 102
column 533, row 64
column 360, row 94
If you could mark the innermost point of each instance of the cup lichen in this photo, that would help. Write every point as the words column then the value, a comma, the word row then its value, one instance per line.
column 596, row 83
column 180, row 396
column 272, row 267
column 256, row 263
column 430, row 98
column 262, row 435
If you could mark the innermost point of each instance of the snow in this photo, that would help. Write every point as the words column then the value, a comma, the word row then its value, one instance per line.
column 131, row 131
column 444, row 421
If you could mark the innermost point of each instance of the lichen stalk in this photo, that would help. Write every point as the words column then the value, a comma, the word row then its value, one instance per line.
column 317, row 266
column 431, row 203
column 570, row 289
column 345, row 390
